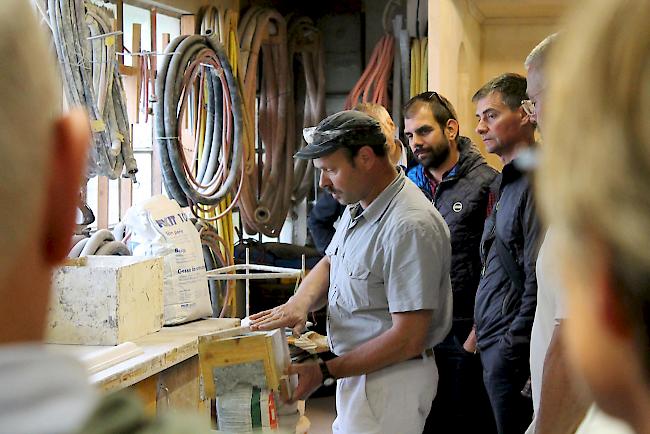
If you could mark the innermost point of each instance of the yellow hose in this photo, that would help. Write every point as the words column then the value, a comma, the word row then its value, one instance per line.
column 419, row 66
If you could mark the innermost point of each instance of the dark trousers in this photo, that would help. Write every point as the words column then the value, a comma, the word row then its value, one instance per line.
column 461, row 404
column 504, row 378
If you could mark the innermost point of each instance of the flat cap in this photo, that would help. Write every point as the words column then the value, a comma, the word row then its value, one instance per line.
column 347, row 128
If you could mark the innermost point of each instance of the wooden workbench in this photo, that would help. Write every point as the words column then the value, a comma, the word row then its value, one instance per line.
column 166, row 375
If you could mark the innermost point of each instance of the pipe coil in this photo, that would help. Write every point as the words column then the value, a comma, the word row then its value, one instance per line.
column 196, row 57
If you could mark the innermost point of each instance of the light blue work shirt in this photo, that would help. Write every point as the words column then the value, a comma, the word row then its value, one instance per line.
column 392, row 257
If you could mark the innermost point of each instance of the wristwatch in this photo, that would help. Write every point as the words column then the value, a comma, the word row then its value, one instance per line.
column 328, row 379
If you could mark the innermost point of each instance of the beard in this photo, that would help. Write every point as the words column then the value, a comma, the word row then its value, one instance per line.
column 436, row 155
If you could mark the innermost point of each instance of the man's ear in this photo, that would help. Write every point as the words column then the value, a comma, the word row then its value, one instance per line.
column 451, row 130
column 366, row 157
column 526, row 119
column 66, row 169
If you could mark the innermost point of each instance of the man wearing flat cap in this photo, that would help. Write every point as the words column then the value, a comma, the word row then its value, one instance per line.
column 385, row 280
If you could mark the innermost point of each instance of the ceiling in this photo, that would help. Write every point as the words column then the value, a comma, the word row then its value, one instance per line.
column 491, row 9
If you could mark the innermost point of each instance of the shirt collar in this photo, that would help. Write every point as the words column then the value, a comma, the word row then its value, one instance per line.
column 378, row 206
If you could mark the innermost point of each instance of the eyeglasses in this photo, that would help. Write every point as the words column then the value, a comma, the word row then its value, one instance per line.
column 529, row 107
column 431, row 94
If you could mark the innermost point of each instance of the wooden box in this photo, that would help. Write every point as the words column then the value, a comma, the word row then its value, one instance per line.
column 105, row 300
column 231, row 347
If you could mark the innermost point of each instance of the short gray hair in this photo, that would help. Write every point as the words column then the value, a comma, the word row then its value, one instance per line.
column 537, row 56
column 30, row 102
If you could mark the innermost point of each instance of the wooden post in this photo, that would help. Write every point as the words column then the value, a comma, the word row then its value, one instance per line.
column 126, row 185
column 102, row 202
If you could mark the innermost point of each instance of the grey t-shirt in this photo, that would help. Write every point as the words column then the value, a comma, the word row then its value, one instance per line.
column 392, row 257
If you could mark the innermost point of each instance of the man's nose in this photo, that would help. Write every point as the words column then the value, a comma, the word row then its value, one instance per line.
column 481, row 127
column 323, row 180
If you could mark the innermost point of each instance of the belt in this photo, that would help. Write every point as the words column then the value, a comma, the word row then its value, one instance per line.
column 424, row 354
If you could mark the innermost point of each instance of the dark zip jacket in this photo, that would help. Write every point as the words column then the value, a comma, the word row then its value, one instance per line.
column 503, row 312
column 462, row 199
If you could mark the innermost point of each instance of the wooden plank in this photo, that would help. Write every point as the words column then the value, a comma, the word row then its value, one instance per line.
column 126, row 195
column 179, row 386
column 102, row 202
column 128, row 70
column 136, row 47
column 156, row 170
column 147, row 391
column 187, row 24
column 120, row 27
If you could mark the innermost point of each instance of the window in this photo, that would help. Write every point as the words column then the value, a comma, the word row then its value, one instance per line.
column 110, row 198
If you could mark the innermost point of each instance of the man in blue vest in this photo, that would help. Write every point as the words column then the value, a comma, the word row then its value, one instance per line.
column 456, row 178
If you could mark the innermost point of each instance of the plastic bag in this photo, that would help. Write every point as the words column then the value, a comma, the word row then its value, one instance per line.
column 159, row 227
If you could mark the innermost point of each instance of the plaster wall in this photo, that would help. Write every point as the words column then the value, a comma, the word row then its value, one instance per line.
column 466, row 50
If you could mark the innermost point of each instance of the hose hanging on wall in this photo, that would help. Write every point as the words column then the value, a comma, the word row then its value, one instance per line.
column 419, row 66
column 266, row 196
column 194, row 57
column 86, row 51
column 222, row 24
column 306, row 52
column 373, row 84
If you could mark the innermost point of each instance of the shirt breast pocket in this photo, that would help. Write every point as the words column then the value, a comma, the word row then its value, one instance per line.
column 354, row 286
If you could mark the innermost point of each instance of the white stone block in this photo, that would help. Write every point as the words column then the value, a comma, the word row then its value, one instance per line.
column 106, row 300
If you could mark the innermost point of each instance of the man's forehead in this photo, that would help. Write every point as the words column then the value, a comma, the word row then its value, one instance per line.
column 492, row 101
column 421, row 116
column 329, row 159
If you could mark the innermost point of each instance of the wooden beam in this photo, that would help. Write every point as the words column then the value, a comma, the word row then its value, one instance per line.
column 126, row 185
column 156, row 170
column 102, row 202
column 187, row 24
column 120, row 27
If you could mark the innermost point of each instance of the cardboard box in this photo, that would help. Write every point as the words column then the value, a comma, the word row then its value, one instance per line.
column 106, row 300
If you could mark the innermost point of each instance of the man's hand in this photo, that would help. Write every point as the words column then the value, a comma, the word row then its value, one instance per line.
column 310, row 378
column 291, row 314
column 470, row 343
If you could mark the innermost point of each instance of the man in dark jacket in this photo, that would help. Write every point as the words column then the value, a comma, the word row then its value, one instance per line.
column 507, row 293
column 456, row 178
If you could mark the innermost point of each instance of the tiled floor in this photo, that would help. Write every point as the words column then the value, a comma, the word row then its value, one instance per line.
column 321, row 413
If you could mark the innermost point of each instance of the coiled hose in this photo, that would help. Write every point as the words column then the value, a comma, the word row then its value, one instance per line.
column 267, row 190
column 91, row 79
column 195, row 57
column 101, row 243
column 373, row 84
column 222, row 24
column 306, row 53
